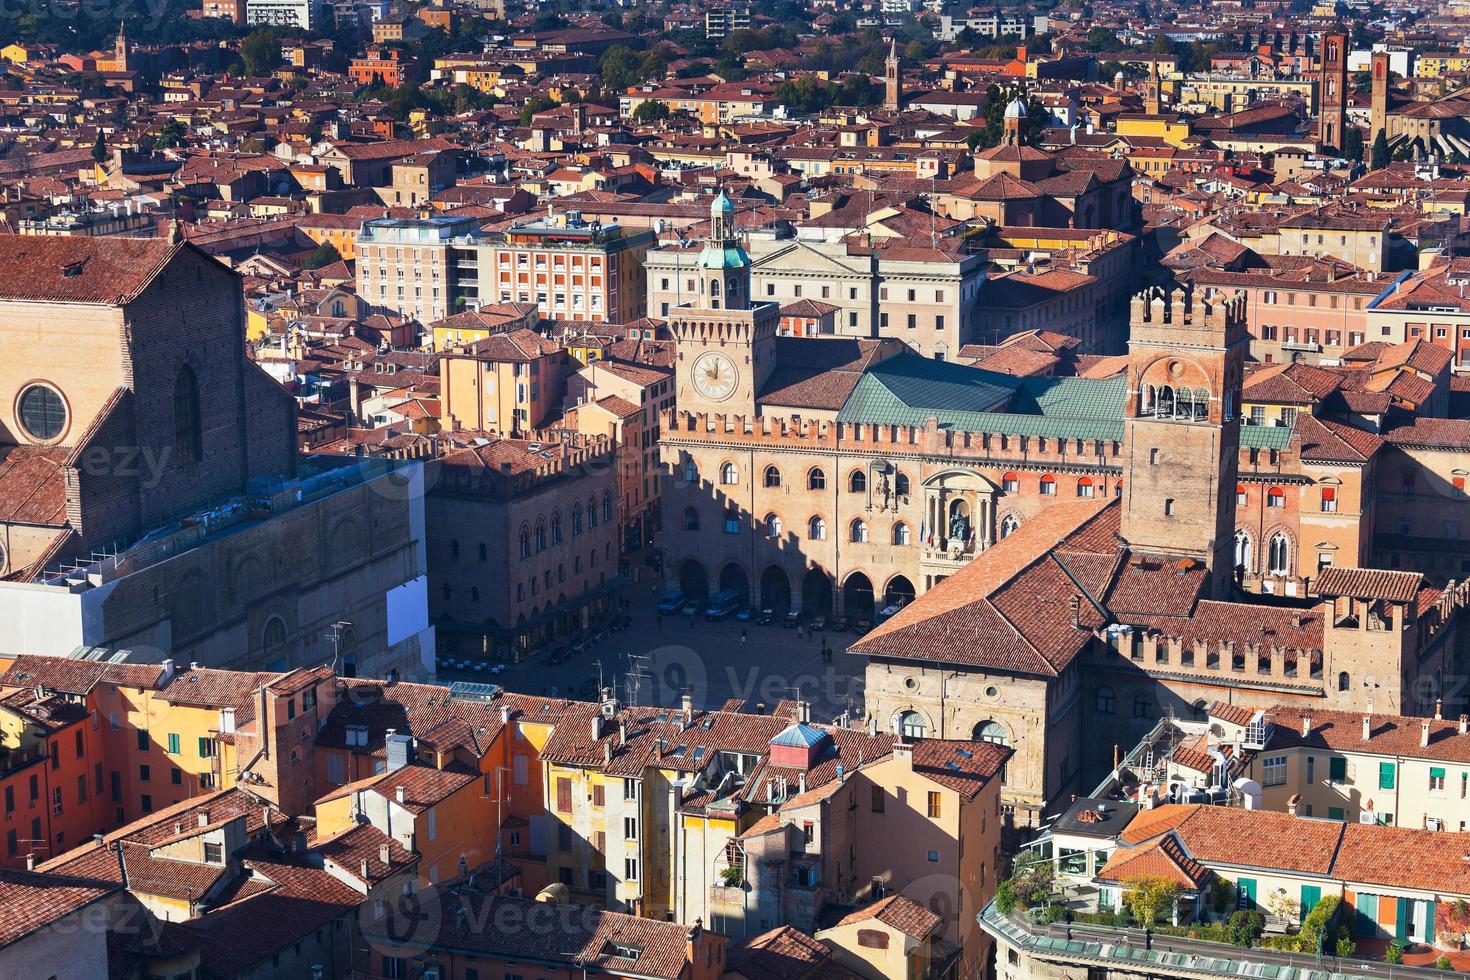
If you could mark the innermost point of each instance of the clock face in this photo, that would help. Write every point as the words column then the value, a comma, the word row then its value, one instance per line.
column 714, row 376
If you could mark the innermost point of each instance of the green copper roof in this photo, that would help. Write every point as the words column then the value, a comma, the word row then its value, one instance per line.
column 716, row 256
column 1265, row 436
column 908, row 389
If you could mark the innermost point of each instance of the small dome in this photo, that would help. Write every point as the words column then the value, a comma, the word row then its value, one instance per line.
column 721, row 205
column 1016, row 110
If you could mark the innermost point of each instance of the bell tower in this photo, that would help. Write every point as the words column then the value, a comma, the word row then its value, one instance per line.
column 1332, row 93
column 892, row 78
column 726, row 342
column 1186, row 356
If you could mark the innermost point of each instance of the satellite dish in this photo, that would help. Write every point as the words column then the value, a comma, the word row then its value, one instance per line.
column 658, row 227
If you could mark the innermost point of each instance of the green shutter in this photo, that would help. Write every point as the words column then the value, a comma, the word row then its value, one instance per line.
column 1435, row 772
column 1401, row 916
column 1247, row 887
column 1429, row 921
column 1336, row 813
column 1385, row 775
column 1311, row 895
column 1367, row 907
column 1337, row 770
column 173, row 743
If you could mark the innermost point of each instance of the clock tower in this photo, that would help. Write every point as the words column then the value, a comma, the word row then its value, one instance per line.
column 726, row 343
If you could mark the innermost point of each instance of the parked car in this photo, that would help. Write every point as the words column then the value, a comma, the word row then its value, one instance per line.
column 839, row 624
column 793, row 619
column 765, row 616
column 745, row 614
column 862, row 627
column 722, row 604
column 690, row 608
column 671, row 602
column 559, row 655
column 620, row 622
column 818, row 623
column 497, row 670
column 580, row 644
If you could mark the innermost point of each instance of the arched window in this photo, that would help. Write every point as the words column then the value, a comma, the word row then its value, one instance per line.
column 1343, row 681
column 1008, row 525
column 691, row 519
column 1243, row 550
column 1084, row 487
column 773, row 525
column 274, row 635
column 187, row 442
column 816, row 528
column 1276, row 497
column 1164, row 407
column 1150, row 394
column 1184, row 404
column 991, row 731
column 772, row 477
column 816, row 479
column 556, row 528
column 858, row 482
column 1048, row 485
column 910, row 724
column 691, row 470
column 1010, row 482
column 591, row 512
column 607, row 505
column 858, row 531
column 901, row 484
column 729, row 473
column 714, row 287
column 1143, row 706
column 1278, row 555
column 1201, row 404
column 900, row 534
column 540, row 535
column 1107, row 701
column 576, row 518
column 525, row 541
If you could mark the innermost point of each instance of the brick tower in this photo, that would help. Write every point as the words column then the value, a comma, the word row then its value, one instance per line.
column 1186, row 354
column 1378, row 111
column 1332, row 93
column 893, row 78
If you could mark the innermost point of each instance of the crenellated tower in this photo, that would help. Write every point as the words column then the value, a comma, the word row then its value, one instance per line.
column 1186, row 354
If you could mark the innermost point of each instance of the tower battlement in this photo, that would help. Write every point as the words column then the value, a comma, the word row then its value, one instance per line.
column 1190, row 309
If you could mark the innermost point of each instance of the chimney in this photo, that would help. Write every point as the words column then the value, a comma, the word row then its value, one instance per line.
column 400, row 750
column 801, row 782
column 204, row 818
column 1307, row 725
column 31, row 861
column 1292, row 803
column 365, row 869
column 1464, row 724
column 1438, row 709
column 596, row 727
column 1075, row 605
column 505, row 714
column 1424, row 734
column 1367, row 727
column 385, row 854
column 607, row 753
column 398, row 793
column 872, row 726
column 686, row 704
column 904, row 751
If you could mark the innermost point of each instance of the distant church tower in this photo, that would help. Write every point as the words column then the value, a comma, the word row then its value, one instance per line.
column 1186, row 360
column 120, row 49
column 1332, row 93
column 893, row 78
column 1015, row 121
column 1378, row 108
column 1153, row 94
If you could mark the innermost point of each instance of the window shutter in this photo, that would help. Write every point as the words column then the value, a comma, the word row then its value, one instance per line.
column 564, row 795
column 1385, row 775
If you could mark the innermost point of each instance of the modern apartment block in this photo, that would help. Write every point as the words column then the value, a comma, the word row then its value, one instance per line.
column 431, row 268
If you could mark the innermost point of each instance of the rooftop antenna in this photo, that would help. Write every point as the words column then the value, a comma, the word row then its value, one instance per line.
column 635, row 677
